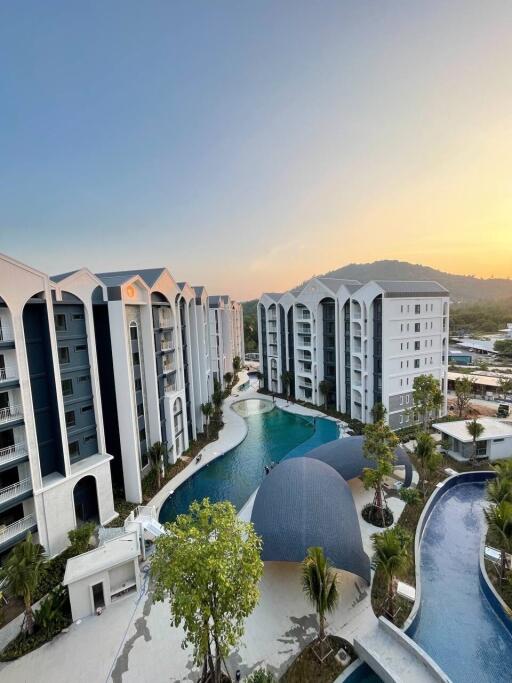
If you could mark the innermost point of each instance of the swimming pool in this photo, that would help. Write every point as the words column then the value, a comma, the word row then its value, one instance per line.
column 272, row 434
column 456, row 624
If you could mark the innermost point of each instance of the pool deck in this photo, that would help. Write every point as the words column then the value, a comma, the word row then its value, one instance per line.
column 133, row 640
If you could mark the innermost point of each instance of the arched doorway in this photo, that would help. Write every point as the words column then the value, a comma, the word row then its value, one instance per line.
column 85, row 499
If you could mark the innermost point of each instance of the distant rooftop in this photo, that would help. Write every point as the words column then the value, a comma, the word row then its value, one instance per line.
column 110, row 554
column 63, row 276
column 412, row 287
column 119, row 277
column 493, row 429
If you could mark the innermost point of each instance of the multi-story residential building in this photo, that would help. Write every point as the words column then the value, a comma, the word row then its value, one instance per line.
column 54, row 465
column 226, row 334
column 367, row 343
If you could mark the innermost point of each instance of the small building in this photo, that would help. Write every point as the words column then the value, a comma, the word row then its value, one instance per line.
column 495, row 443
column 457, row 357
column 96, row 578
column 486, row 386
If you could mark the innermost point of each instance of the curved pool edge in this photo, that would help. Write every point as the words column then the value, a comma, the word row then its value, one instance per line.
column 446, row 485
column 499, row 606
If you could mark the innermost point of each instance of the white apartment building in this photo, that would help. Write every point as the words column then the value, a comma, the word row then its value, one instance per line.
column 368, row 342
column 226, row 335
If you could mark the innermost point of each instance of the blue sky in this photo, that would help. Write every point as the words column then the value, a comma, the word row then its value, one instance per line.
column 248, row 145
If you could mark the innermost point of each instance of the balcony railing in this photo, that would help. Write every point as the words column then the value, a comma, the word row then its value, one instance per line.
column 165, row 321
column 7, row 373
column 16, row 528
column 15, row 490
column 168, row 367
column 12, row 453
column 168, row 346
column 6, row 334
column 10, row 413
column 170, row 388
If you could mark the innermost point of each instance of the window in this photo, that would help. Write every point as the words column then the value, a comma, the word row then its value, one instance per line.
column 84, row 378
column 417, row 309
column 78, row 316
column 408, row 308
column 67, row 387
column 407, row 327
column 401, row 346
column 136, row 358
column 401, row 382
column 140, row 409
column 401, row 364
column 90, row 437
column 142, row 434
column 60, row 322
column 86, row 409
column 407, row 398
column 63, row 353
column 138, row 384
column 416, row 362
column 401, row 419
column 416, row 345
column 70, row 418
column 401, row 309
column 81, row 347
column 401, row 400
column 407, row 346
column 417, row 327
column 133, row 332
column 74, row 449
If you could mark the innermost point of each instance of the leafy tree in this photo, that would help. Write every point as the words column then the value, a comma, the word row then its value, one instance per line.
column 464, row 390
column 209, row 566
column 425, row 451
column 228, row 378
column 325, row 387
column 237, row 364
column 379, row 446
column 207, row 410
column 80, row 537
column 475, row 430
column 53, row 613
column 410, row 496
column 427, row 397
column 217, row 395
column 499, row 519
column 157, row 454
column 319, row 583
column 261, row 676
column 22, row 570
column 392, row 556
column 503, row 347
column 503, row 469
column 505, row 385
column 499, row 489
column 286, row 380
column 379, row 412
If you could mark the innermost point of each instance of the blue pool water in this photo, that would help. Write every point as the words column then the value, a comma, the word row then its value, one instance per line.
column 457, row 626
column 237, row 474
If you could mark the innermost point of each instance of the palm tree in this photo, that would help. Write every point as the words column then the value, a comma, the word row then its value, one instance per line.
column 325, row 388
column 228, row 378
column 286, row 380
column 157, row 453
column 499, row 489
column 475, row 430
column 319, row 583
column 499, row 519
column 237, row 364
column 504, row 469
column 392, row 557
column 207, row 410
column 22, row 571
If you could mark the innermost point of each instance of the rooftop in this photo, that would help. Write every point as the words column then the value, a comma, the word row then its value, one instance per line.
column 110, row 554
column 493, row 429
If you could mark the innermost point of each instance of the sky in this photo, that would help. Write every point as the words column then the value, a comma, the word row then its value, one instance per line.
column 247, row 145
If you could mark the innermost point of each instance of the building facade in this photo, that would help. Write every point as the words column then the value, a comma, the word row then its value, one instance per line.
column 226, row 322
column 351, row 345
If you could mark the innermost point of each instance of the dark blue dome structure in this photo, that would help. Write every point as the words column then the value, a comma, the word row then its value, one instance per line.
column 346, row 456
column 304, row 502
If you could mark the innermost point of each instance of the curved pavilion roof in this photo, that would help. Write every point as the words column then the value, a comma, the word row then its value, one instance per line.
column 347, row 457
column 304, row 502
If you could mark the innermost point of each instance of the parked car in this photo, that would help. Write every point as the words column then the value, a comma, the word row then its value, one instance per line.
column 503, row 410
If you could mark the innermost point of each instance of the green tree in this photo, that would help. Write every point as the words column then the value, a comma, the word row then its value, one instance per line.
column 286, row 380
column 475, row 430
column 53, row 613
column 427, row 398
column 505, row 385
column 392, row 557
column 207, row 410
column 410, row 495
column 379, row 446
column 503, row 469
column 503, row 347
column 325, row 387
column 237, row 364
column 80, row 537
column 378, row 412
column 424, row 451
column 22, row 570
column 261, row 676
column 499, row 489
column 157, row 454
column 208, row 566
column 217, row 395
column 319, row 583
column 499, row 520
column 464, row 390
column 228, row 378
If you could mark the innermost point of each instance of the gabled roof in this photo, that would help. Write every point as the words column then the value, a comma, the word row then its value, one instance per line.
column 63, row 276
column 119, row 277
column 334, row 284
column 411, row 287
column 275, row 296
column 198, row 289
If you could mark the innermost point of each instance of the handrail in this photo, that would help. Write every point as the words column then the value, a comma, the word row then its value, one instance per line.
column 16, row 528
column 7, row 372
column 6, row 333
column 15, row 489
column 10, row 413
column 17, row 450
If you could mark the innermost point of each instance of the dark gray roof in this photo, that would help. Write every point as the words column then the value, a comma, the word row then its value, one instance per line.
column 334, row 283
column 412, row 288
column 63, row 276
column 275, row 296
column 346, row 455
column 198, row 289
column 216, row 299
column 302, row 503
column 149, row 275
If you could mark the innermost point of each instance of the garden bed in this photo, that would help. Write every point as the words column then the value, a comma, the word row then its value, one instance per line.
column 306, row 667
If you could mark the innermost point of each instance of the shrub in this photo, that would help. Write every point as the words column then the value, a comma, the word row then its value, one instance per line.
column 373, row 515
column 79, row 538
column 54, row 612
column 261, row 676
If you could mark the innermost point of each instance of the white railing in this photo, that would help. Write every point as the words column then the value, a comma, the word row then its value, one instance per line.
column 169, row 367
column 17, row 450
column 7, row 372
column 167, row 346
column 10, row 413
column 23, row 524
column 170, row 388
column 14, row 490
column 165, row 321
column 6, row 334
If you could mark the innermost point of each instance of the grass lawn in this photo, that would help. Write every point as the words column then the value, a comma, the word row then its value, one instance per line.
column 306, row 668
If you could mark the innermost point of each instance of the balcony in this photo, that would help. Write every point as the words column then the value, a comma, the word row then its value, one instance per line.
column 167, row 346
column 164, row 321
column 171, row 388
column 8, row 373
column 272, row 325
column 168, row 367
column 6, row 333
column 16, row 529
column 304, row 315
column 14, row 491
column 11, row 413
column 12, row 454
